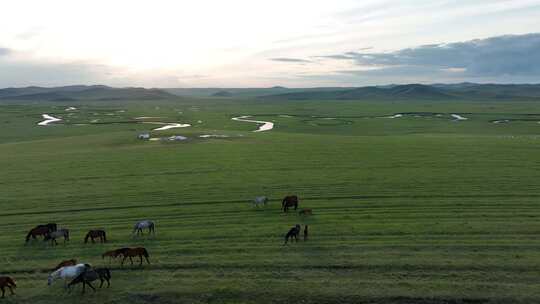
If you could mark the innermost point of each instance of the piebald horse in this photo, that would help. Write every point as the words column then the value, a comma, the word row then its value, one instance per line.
column 139, row 226
column 52, row 236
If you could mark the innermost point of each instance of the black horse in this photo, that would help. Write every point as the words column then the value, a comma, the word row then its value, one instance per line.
column 89, row 275
column 289, row 201
column 293, row 233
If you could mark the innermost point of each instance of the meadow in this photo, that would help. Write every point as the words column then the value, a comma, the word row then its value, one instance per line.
column 417, row 209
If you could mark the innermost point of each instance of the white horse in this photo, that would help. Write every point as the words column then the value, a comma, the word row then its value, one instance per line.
column 260, row 200
column 139, row 226
column 67, row 272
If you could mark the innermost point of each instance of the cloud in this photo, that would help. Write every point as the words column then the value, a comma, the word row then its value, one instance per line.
column 517, row 55
column 293, row 60
column 4, row 51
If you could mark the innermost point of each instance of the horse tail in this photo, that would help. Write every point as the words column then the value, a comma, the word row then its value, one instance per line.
column 86, row 237
column 283, row 203
column 66, row 236
column 104, row 236
column 153, row 227
column 108, row 273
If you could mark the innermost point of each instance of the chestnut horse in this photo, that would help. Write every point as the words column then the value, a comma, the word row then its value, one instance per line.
column 133, row 252
column 289, row 201
column 113, row 254
column 7, row 282
column 71, row 262
column 94, row 234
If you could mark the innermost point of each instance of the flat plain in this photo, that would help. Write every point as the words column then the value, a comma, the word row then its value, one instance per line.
column 422, row 208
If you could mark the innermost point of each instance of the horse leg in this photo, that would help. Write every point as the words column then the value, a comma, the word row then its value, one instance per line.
column 83, row 287
column 89, row 284
column 3, row 291
column 147, row 260
column 140, row 257
column 101, row 285
column 131, row 260
column 123, row 260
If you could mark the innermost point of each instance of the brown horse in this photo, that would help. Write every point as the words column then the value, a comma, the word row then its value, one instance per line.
column 289, row 201
column 94, row 234
column 7, row 282
column 133, row 252
column 40, row 230
column 305, row 212
column 113, row 254
column 71, row 262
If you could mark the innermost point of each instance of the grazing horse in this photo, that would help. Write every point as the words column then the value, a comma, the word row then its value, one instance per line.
column 260, row 200
column 139, row 226
column 133, row 252
column 52, row 236
column 93, row 234
column 66, row 272
column 305, row 212
column 289, row 201
column 114, row 253
column 89, row 275
column 7, row 282
column 52, row 226
column 71, row 262
column 37, row 231
column 293, row 233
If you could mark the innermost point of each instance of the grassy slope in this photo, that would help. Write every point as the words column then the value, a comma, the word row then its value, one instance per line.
column 411, row 209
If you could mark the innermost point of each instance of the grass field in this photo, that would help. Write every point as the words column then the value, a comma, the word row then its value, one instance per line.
column 417, row 209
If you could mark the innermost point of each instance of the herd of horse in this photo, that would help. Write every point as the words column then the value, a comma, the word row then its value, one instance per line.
column 85, row 274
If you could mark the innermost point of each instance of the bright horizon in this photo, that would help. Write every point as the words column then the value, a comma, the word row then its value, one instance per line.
column 268, row 43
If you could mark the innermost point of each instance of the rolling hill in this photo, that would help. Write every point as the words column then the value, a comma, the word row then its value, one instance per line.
column 81, row 92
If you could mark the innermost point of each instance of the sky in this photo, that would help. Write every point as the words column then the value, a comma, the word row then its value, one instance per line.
column 263, row 43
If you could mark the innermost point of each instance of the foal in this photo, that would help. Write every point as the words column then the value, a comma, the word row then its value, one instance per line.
column 114, row 253
column 7, row 282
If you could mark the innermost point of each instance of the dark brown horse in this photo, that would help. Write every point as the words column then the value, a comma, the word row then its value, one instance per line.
column 293, row 234
column 289, row 201
column 134, row 252
column 7, row 282
column 94, row 234
column 113, row 254
column 40, row 230
column 71, row 262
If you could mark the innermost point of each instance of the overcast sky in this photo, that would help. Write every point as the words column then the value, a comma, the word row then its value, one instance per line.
column 260, row 43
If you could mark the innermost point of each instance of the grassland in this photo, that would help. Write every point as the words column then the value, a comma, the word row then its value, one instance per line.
column 411, row 210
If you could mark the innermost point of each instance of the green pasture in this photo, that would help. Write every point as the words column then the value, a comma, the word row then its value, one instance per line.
column 417, row 209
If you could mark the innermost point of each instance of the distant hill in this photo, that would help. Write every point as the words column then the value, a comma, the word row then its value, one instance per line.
column 223, row 94
column 74, row 93
column 419, row 92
